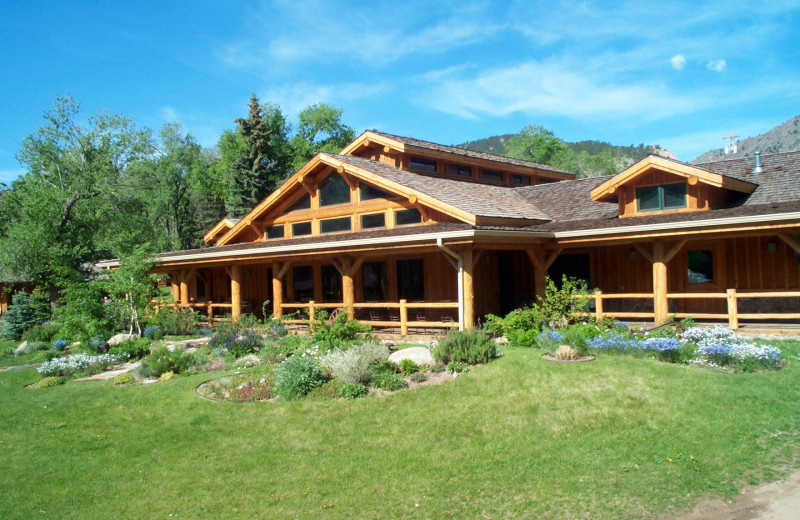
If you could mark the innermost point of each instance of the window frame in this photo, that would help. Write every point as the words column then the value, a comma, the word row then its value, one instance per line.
column 661, row 197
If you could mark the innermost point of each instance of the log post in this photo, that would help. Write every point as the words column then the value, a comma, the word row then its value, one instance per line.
column 660, row 304
column 469, row 291
column 348, row 295
column 598, row 305
column 176, row 288
column 278, row 271
column 312, row 315
column 403, row 318
column 236, row 291
column 733, row 309
column 184, row 290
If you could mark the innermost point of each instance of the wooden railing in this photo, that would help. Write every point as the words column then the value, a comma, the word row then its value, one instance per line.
column 401, row 320
column 732, row 314
column 207, row 306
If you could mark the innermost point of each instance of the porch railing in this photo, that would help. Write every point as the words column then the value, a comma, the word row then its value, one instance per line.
column 207, row 306
column 732, row 314
column 399, row 321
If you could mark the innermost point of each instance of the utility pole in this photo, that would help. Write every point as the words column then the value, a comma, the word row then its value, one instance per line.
column 730, row 149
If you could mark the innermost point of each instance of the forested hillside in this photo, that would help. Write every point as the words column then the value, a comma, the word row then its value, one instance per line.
column 584, row 158
column 783, row 138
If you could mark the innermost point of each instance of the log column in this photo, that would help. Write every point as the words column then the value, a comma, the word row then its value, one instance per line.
column 236, row 291
column 467, row 270
column 176, row 287
column 278, row 272
column 347, row 267
column 542, row 260
column 660, row 303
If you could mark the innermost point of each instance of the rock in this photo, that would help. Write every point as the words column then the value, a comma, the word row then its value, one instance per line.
column 387, row 343
column 419, row 355
column 20, row 350
column 247, row 361
column 502, row 340
column 119, row 338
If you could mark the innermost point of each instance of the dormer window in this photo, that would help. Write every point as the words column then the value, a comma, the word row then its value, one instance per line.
column 420, row 163
column 663, row 197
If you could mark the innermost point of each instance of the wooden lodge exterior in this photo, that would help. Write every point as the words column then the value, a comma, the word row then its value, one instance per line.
column 414, row 235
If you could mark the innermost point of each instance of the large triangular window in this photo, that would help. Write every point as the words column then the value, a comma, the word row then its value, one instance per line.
column 372, row 193
column 333, row 190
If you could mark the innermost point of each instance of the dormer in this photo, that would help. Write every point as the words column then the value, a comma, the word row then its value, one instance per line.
column 656, row 185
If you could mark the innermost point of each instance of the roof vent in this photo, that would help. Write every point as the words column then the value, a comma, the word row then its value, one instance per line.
column 758, row 168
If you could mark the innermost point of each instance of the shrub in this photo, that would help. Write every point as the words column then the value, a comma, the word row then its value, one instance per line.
column 6, row 352
column 48, row 382
column 352, row 391
column 123, row 379
column 133, row 348
column 19, row 318
column 471, row 346
column 293, row 344
column 341, row 332
column 353, row 365
column 419, row 377
column 44, row 332
column 297, row 376
column 224, row 342
column 77, row 363
column 520, row 326
column 82, row 314
column 60, row 344
column 385, row 367
column 175, row 322
column 458, row 367
column 389, row 382
column 326, row 391
column 565, row 353
column 559, row 305
column 163, row 360
column 153, row 333
column 408, row 367
column 166, row 376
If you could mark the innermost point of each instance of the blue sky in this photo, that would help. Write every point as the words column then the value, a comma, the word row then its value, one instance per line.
column 680, row 74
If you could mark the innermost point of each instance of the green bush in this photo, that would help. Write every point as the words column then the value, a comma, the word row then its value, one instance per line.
column 457, row 366
column 341, row 332
column 163, row 360
column 408, row 367
column 294, row 344
column 34, row 346
column 133, row 348
column 326, row 391
column 470, row 346
column 6, row 352
column 19, row 318
column 82, row 314
column 386, row 367
column 353, row 365
column 520, row 326
column 419, row 377
column 388, row 381
column 229, row 341
column 49, row 382
column 123, row 379
column 297, row 376
column 352, row 391
column 559, row 305
column 175, row 322
column 44, row 332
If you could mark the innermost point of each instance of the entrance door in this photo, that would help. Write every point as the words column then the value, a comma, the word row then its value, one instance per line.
column 506, row 283
column 573, row 266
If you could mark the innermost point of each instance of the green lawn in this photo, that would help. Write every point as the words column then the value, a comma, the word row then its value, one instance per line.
column 517, row 438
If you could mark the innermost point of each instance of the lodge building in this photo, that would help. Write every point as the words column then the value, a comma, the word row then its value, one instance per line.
column 414, row 235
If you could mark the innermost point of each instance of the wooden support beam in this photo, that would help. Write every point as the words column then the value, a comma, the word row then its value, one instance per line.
column 552, row 257
column 476, row 256
column 790, row 241
column 674, row 250
column 468, row 289
column 644, row 252
column 348, row 266
column 236, row 291
column 660, row 303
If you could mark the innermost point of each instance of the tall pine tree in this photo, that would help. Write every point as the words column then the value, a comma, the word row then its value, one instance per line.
column 263, row 161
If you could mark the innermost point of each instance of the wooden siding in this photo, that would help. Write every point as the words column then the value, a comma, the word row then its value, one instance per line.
column 699, row 196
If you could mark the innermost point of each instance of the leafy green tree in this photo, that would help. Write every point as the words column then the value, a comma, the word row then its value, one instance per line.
column 20, row 317
column 82, row 314
column 320, row 130
column 263, row 161
column 538, row 144
column 131, row 287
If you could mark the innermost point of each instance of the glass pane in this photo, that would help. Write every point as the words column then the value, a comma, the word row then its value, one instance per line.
column 459, row 169
column 335, row 225
column 300, row 229
column 373, row 221
column 523, row 180
column 303, row 283
column 331, row 284
column 647, row 199
column 675, row 196
column 492, row 175
column 371, row 193
column 303, row 202
column 420, row 163
column 701, row 266
column 333, row 190
column 411, row 280
column 407, row 217
column 275, row 231
column 374, row 282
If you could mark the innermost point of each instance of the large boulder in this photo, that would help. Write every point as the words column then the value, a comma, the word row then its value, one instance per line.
column 119, row 338
column 20, row 350
column 419, row 355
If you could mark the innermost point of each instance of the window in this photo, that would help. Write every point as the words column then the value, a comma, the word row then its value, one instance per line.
column 331, row 284
column 407, row 217
column 522, row 180
column 374, row 282
column 420, row 163
column 655, row 198
column 373, row 221
column 459, row 169
column 411, row 280
column 201, row 288
column 303, row 283
column 275, row 231
column 700, row 266
column 333, row 190
column 492, row 175
column 335, row 225
column 300, row 229
column 371, row 193
column 303, row 202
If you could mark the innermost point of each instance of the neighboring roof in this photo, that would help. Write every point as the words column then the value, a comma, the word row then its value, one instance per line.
column 779, row 182
column 427, row 145
column 482, row 200
column 570, row 200
column 219, row 228
column 695, row 173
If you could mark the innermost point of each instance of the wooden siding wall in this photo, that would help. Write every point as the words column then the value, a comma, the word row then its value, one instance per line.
column 7, row 293
column 699, row 196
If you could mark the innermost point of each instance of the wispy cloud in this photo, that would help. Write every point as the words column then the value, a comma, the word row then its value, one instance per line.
column 717, row 65
column 678, row 61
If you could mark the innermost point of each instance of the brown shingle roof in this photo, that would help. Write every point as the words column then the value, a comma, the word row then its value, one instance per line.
column 469, row 153
column 482, row 200
column 570, row 200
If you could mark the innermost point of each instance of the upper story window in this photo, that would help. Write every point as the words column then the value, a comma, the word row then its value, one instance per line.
column 665, row 196
column 333, row 190
column 335, row 225
column 492, row 175
column 303, row 202
column 274, row 232
column 407, row 217
column 300, row 229
column 421, row 163
column 373, row 221
column 459, row 169
column 371, row 193
column 522, row 180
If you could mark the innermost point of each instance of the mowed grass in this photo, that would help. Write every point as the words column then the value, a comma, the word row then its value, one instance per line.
column 517, row 438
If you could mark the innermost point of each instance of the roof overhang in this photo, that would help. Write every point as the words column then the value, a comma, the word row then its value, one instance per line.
column 608, row 191
column 219, row 228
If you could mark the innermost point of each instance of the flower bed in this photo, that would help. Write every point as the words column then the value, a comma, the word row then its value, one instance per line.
column 79, row 363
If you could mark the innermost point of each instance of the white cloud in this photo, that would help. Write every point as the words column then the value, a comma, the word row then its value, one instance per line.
column 550, row 87
column 678, row 61
column 8, row 176
column 717, row 65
